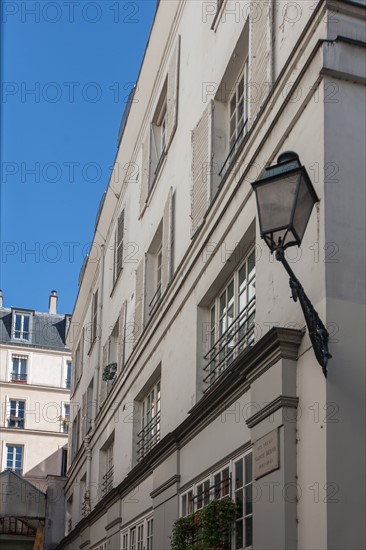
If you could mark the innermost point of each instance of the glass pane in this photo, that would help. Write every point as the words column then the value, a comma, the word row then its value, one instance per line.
column 226, row 482
column 249, row 531
column 242, row 277
column 251, row 263
column 23, row 366
column 276, row 200
column 26, row 323
column 199, row 496
column 248, row 468
column 241, row 87
column 18, row 320
column 217, row 483
column 184, row 505
column 239, row 474
column 230, row 293
column 222, row 304
column 206, row 498
column 239, row 503
column 248, row 499
column 232, row 105
column 239, row 535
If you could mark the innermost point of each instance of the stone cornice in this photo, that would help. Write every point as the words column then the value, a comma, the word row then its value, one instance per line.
column 281, row 401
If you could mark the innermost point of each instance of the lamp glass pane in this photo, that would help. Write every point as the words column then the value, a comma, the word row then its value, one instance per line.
column 275, row 202
column 304, row 206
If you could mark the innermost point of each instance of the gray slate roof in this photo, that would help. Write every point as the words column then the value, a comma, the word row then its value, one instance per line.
column 47, row 331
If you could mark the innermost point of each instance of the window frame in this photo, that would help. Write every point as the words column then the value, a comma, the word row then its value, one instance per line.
column 190, row 493
column 18, row 418
column 16, row 376
column 94, row 318
column 242, row 317
column 143, row 534
column 118, row 246
column 23, row 315
column 13, row 468
column 235, row 137
column 151, row 402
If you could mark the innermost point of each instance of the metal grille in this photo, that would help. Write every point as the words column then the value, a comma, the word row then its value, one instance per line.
column 107, row 483
column 148, row 437
column 239, row 335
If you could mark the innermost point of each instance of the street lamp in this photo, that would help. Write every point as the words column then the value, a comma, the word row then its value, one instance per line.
column 285, row 198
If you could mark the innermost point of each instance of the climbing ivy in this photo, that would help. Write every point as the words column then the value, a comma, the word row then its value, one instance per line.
column 206, row 529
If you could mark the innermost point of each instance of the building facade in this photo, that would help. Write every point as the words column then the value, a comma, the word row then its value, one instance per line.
column 191, row 363
column 35, row 380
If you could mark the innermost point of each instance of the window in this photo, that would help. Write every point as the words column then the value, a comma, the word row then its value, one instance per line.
column 118, row 247
column 158, row 136
column 63, row 462
column 139, row 536
column 238, row 110
column 68, row 374
column 19, row 369
column 21, row 326
column 235, row 480
column 65, row 418
column 94, row 319
column 14, row 458
column 154, row 263
column 78, row 360
column 243, row 496
column 107, row 478
column 16, row 414
column 149, row 535
column 149, row 435
column 231, row 320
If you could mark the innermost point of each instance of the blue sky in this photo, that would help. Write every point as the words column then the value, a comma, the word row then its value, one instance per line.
column 66, row 71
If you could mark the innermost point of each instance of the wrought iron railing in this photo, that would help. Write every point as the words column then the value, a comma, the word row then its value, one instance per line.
column 85, row 507
column 15, row 422
column 107, row 483
column 239, row 335
column 18, row 377
column 240, row 136
column 155, row 300
column 69, row 526
column 148, row 437
column 68, row 383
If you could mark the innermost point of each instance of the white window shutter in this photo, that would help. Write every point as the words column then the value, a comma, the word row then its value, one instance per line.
column 145, row 172
column 139, row 300
column 83, row 417
column 121, row 336
column 154, row 152
column 172, row 92
column 168, row 240
column 260, row 62
column 119, row 243
column 103, row 384
column 201, row 168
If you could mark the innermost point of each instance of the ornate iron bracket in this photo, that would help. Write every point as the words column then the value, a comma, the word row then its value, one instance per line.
column 319, row 335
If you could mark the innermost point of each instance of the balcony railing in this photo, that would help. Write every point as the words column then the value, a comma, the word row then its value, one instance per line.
column 17, row 377
column 107, row 483
column 155, row 300
column 148, row 437
column 16, row 422
column 68, row 383
column 85, row 507
column 69, row 526
column 239, row 335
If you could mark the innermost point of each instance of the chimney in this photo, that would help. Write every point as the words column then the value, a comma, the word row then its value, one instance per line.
column 1, row 298
column 52, row 306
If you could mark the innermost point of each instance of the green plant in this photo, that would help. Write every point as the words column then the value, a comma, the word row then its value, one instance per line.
column 206, row 529
column 109, row 372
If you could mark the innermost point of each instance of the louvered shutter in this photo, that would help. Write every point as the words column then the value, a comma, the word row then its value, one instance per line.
column 103, row 383
column 82, row 342
column 121, row 336
column 172, row 92
column 168, row 239
column 154, row 151
column 201, row 168
column 83, row 417
column 119, row 243
column 145, row 172
column 139, row 300
column 260, row 62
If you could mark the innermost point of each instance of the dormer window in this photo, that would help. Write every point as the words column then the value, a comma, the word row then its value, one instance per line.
column 21, row 326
